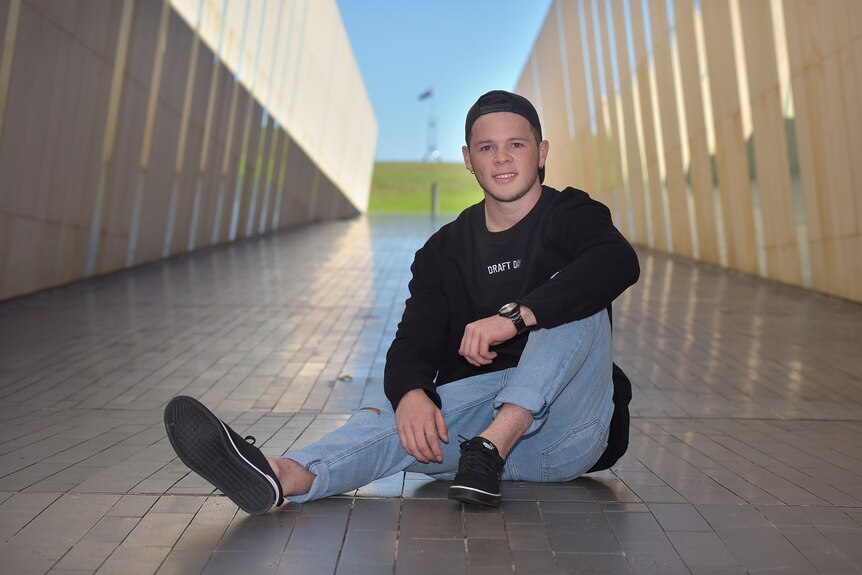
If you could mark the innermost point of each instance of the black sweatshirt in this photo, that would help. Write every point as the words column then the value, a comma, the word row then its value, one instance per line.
column 564, row 260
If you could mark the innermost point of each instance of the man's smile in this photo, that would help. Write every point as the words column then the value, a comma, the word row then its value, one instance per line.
column 506, row 176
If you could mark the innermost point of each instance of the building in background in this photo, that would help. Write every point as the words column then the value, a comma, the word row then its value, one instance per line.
column 728, row 131
column 134, row 130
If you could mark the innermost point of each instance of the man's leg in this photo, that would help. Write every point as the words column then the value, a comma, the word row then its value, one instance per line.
column 367, row 447
column 551, row 417
column 569, row 431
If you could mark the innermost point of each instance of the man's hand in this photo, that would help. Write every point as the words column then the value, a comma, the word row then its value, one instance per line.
column 480, row 335
column 421, row 426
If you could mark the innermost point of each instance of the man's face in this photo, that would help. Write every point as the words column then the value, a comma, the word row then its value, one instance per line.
column 504, row 155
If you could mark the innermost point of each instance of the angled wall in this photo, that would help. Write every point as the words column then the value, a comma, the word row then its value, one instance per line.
column 728, row 131
column 134, row 130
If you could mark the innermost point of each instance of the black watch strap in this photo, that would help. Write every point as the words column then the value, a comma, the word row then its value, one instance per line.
column 513, row 312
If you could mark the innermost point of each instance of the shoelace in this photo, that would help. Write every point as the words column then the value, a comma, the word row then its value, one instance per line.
column 478, row 459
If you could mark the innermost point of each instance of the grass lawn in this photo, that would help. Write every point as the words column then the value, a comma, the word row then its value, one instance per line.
column 403, row 187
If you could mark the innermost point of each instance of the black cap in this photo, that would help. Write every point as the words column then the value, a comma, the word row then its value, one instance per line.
column 502, row 101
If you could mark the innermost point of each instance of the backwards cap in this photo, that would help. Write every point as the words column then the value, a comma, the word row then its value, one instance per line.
column 502, row 101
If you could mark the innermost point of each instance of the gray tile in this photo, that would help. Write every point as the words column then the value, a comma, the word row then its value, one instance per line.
column 19, row 509
column 133, row 559
column 732, row 516
column 200, row 537
column 180, row 562
column 158, row 530
column 581, row 533
column 824, row 555
column 303, row 561
column 521, row 511
column 485, row 523
column 231, row 562
column 87, row 556
column 702, row 549
column 267, row 532
column 422, row 519
column 431, row 556
column 604, row 563
column 368, row 549
column 318, row 533
column 535, row 562
column 178, row 504
column 60, row 526
column 656, row 558
column 27, row 559
column 489, row 556
column 636, row 528
column 847, row 543
column 678, row 517
column 218, row 511
column 380, row 514
column 527, row 537
column 761, row 548
column 133, row 506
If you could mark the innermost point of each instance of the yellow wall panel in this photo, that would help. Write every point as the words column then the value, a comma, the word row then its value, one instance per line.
column 830, row 194
column 654, row 188
column 701, row 172
column 616, row 180
column 734, row 132
column 733, row 174
column 551, row 103
column 674, row 180
column 127, row 127
column 770, row 144
column 603, row 173
column 584, row 153
column 632, row 147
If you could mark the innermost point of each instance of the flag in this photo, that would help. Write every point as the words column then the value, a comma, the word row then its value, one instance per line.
column 427, row 93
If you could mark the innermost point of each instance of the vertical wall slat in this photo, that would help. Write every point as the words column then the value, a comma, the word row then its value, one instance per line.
column 733, row 177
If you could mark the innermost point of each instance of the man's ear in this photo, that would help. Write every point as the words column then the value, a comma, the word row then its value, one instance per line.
column 466, row 153
column 543, row 152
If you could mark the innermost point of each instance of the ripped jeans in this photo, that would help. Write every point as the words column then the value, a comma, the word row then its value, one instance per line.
column 563, row 378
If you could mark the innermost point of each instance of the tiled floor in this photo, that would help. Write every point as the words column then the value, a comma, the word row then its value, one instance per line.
column 746, row 452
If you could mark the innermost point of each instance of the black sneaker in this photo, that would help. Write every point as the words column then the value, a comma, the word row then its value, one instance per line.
column 218, row 454
column 478, row 479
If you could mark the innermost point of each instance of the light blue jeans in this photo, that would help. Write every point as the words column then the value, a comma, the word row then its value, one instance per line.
column 563, row 378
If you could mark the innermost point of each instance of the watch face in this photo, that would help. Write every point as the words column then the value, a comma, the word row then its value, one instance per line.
column 508, row 308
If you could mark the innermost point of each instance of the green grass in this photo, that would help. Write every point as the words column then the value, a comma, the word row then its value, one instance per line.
column 402, row 187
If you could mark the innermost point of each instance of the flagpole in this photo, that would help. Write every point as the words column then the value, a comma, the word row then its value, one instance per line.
column 432, row 153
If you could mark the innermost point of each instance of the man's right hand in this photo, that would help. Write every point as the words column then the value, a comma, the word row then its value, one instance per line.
column 421, row 426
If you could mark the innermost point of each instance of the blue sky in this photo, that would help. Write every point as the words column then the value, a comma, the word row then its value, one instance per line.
column 459, row 48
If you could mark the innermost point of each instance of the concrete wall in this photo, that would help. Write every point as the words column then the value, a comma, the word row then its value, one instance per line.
column 728, row 131
column 135, row 130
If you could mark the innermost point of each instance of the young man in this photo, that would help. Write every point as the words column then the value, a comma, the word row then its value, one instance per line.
column 505, row 339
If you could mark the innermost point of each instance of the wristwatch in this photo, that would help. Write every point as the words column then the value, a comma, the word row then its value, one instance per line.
column 513, row 312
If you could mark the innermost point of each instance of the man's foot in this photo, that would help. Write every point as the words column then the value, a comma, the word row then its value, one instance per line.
column 478, row 479
column 218, row 454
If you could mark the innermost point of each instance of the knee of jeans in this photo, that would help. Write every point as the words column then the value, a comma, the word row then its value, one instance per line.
column 373, row 410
